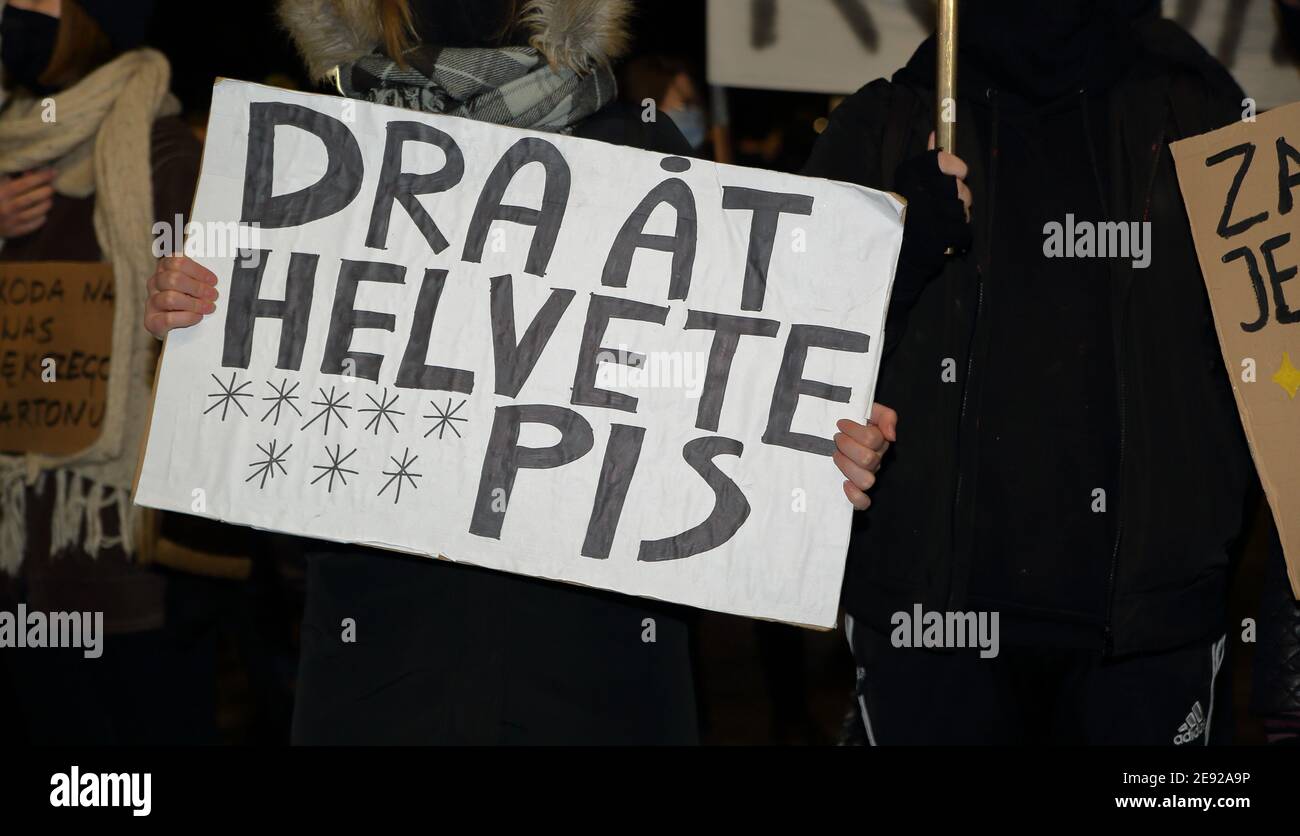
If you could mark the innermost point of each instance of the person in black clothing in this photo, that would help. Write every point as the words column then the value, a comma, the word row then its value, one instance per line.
column 1073, row 461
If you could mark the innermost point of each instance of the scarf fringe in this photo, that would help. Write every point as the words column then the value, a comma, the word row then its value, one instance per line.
column 13, row 525
column 79, row 506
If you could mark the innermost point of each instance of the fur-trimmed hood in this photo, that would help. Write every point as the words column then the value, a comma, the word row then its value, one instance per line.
column 578, row 34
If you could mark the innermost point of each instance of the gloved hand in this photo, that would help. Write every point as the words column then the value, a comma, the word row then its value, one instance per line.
column 938, row 215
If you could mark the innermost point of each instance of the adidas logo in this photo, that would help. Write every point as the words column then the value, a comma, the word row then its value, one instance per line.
column 1193, row 727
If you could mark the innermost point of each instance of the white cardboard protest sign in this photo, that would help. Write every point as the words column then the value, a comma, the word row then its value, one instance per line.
column 535, row 353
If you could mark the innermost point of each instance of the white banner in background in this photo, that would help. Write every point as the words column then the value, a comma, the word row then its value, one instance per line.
column 836, row 46
column 540, row 354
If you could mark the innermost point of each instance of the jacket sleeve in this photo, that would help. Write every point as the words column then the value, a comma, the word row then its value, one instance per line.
column 852, row 150
column 849, row 149
column 176, row 154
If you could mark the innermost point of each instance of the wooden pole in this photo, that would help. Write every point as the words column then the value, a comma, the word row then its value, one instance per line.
column 946, row 85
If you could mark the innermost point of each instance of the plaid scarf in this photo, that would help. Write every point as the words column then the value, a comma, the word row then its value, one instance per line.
column 512, row 86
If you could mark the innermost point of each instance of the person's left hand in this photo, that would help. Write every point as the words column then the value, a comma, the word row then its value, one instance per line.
column 859, row 449
column 25, row 202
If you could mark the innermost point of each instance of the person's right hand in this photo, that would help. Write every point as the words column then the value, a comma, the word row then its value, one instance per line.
column 181, row 293
column 25, row 202
column 938, row 211
column 955, row 167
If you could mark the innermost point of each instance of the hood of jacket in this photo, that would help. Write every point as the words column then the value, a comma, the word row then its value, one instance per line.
column 1157, row 45
column 578, row 34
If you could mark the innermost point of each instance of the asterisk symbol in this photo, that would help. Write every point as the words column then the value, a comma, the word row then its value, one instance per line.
column 330, row 408
column 282, row 399
column 334, row 468
column 230, row 393
column 401, row 473
column 383, row 409
column 445, row 419
column 266, row 467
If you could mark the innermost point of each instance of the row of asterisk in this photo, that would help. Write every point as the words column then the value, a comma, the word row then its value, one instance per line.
column 272, row 464
column 333, row 407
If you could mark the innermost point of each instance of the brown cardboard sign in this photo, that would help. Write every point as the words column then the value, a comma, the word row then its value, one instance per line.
column 56, row 335
column 1241, row 185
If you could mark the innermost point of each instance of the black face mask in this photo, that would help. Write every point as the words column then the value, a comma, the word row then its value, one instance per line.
column 27, row 45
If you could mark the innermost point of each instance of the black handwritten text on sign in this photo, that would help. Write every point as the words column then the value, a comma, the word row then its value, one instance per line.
column 56, row 327
column 532, row 352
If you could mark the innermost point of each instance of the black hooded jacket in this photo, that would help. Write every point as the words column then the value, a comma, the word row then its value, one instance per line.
column 1181, row 467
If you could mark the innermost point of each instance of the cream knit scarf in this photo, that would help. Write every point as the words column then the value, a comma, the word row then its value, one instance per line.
column 97, row 137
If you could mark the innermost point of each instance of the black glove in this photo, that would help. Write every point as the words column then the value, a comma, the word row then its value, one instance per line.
column 936, row 221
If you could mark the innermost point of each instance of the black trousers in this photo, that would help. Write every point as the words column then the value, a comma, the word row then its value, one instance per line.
column 1036, row 695
column 406, row 650
column 151, row 688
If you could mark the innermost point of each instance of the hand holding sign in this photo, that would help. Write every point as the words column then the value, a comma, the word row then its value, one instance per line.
column 860, row 449
column 181, row 292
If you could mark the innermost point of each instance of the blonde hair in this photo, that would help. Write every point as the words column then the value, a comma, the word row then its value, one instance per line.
column 398, row 26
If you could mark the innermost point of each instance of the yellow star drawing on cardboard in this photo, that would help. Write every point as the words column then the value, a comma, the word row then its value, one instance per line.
column 1288, row 377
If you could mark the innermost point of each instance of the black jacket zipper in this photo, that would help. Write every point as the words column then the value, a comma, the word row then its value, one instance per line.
column 959, row 541
column 1112, row 577
column 961, row 415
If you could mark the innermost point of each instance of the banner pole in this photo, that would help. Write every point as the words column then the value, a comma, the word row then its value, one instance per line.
column 946, row 83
